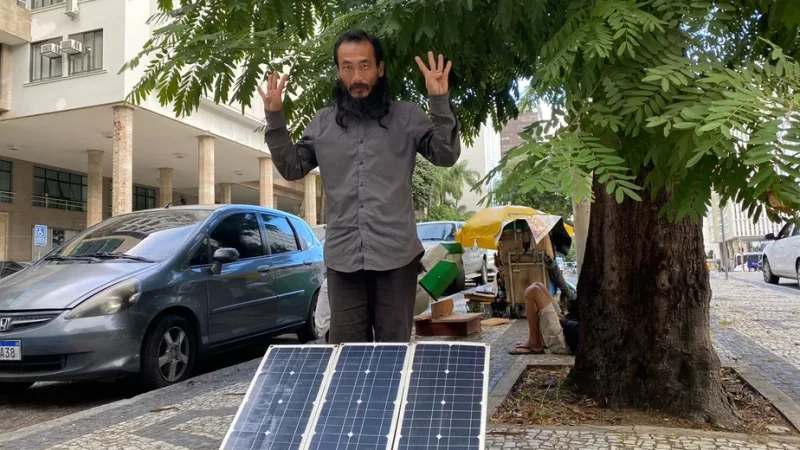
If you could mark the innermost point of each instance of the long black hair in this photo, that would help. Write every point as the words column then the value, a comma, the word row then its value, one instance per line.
column 376, row 104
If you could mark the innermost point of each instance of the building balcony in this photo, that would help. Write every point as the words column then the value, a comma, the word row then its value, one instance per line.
column 53, row 203
column 15, row 22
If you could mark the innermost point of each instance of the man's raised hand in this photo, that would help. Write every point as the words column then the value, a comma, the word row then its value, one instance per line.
column 436, row 76
column 273, row 97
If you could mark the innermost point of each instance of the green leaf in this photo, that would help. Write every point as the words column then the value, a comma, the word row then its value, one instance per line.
column 632, row 194
column 664, row 84
column 684, row 125
column 711, row 126
column 695, row 159
column 620, row 195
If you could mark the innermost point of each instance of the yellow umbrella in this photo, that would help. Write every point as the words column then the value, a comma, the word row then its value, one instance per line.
column 484, row 228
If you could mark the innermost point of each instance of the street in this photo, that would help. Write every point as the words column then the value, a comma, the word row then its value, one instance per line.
column 786, row 285
column 48, row 401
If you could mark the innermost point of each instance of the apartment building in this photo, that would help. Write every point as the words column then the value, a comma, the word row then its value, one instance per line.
column 509, row 137
column 482, row 156
column 742, row 235
column 72, row 153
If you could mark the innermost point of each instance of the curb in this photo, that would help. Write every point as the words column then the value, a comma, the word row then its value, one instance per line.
column 785, row 405
column 499, row 429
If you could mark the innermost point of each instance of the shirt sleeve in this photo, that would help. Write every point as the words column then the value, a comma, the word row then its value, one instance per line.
column 293, row 160
column 437, row 137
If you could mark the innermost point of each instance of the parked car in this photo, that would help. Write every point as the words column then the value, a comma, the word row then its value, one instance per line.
column 782, row 255
column 150, row 292
column 319, row 231
column 477, row 263
column 11, row 267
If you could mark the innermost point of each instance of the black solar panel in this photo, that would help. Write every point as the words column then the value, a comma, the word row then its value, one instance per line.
column 445, row 401
column 362, row 401
column 281, row 399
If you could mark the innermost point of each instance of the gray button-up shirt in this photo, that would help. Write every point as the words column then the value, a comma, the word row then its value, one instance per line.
column 366, row 176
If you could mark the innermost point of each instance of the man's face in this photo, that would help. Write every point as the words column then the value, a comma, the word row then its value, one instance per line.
column 357, row 69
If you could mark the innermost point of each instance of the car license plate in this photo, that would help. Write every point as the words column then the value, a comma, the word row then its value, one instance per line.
column 10, row 351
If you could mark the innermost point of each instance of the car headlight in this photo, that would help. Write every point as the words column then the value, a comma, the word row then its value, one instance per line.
column 111, row 300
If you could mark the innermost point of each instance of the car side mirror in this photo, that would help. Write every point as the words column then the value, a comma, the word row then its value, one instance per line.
column 770, row 237
column 223, row 256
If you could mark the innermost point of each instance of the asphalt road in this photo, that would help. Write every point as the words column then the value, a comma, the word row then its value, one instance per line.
column 48, row 401
column 785, row 285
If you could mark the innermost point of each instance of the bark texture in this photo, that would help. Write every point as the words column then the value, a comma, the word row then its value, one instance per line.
column 644, row 299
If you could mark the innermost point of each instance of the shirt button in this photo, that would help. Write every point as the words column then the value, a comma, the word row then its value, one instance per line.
column 361, row 163
column 361, row 206
column 361, row 184
column 361, row 141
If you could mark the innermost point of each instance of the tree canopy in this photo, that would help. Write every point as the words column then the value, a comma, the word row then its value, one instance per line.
column 705, row 93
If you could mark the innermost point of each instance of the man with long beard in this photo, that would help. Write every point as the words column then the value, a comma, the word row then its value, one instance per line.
column 365, row 147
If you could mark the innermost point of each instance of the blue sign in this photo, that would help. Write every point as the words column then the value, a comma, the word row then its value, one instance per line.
column 40, row 235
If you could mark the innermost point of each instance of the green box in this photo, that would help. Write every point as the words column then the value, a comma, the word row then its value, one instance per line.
column 442, row 275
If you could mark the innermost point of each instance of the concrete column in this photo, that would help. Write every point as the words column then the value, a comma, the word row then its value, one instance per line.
column 94, row 196
column 226, row 193
column 580, row 214
column 205, row 187
column 310, row 199
column 164, row 186
column 122, row 190
column 265, row 188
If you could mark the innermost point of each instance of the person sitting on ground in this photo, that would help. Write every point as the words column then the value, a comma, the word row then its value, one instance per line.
column 545, row 328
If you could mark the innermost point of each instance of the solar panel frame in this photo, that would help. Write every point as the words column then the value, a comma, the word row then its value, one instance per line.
column 323, row 384
column 395, row 421
column 484, row 396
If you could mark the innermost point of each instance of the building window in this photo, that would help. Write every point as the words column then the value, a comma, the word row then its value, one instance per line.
column 6, row 192
column 91, row 58
column 62, row 190
column 42, row 67
column 143, row 198
column 36, row 4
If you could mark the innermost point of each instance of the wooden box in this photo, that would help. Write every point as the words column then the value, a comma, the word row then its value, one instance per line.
column 456, row 325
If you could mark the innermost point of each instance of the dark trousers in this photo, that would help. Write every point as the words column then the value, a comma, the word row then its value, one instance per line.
column 372, row 306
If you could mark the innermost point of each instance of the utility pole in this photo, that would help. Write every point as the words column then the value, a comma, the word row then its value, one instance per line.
column 724, row 243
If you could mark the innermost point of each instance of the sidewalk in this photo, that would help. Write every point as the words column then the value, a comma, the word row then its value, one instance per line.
column 750, row 324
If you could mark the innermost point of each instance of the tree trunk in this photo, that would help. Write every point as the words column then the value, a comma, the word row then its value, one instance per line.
column 644, row 300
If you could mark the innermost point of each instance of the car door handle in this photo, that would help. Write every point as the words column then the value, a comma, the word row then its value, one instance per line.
column 308, row 262
column 264, row 269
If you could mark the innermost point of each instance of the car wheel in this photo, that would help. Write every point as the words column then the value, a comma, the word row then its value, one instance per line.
column 797, row 269
column 484, row 277
column 459, row 284
column 768, row 276
column 168, row 352
column 308, row 332
column 13, row 387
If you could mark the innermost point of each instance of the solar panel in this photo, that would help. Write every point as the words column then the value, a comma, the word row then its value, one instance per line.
column 445, row 398
column 361, row 404
column 281, row 399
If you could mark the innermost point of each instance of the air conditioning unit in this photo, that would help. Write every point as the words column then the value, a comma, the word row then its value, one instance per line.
column 72, row 9
column 51, row 51
column 71, row 47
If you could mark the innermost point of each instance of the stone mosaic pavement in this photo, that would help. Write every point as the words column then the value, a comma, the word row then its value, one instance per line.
column 751, row 325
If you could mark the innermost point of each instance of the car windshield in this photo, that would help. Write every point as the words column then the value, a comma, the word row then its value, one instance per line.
column 152, row 235
column 436, row 232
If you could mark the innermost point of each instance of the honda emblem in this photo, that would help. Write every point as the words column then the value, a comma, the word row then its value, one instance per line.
column 5, row 323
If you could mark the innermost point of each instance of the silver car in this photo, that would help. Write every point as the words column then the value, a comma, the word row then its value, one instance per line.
column 147, row 293
column 478, row 263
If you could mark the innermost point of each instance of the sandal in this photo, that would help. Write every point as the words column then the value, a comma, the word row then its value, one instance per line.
column 524, row 344
column 523, row 350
